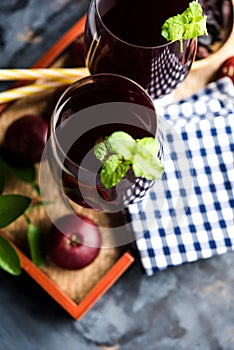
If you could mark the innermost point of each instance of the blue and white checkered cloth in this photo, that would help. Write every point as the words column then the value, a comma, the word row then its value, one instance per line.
column 189, row 215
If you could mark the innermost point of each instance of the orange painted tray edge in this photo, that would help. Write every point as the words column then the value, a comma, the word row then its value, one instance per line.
column 77, row 311
column 62, row 44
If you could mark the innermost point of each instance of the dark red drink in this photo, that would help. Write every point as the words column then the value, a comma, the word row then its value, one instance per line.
column 137, row 23
column 124, row 37
column 88, row 111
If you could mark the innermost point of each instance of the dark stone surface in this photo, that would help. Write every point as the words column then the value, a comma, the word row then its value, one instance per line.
column 28, row 28
column 190, row 307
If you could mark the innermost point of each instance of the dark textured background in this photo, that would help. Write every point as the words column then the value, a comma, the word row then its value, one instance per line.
column 186, row 308
column 28, row 28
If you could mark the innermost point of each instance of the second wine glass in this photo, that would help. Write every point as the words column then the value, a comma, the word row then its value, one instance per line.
column 124, row 37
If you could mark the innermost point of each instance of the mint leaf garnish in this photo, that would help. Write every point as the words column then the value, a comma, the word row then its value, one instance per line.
column 145, row 163
column 151, row 144
column 122, row 143
column 101, row 151
column 188, row 25
column 113, row 170
column 173, row 28
column 125, row 152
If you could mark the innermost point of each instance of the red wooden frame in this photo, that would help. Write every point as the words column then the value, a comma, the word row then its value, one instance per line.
column 77, row 311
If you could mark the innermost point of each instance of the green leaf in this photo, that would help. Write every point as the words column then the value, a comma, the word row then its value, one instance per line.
column 173, row 28
column 2, row 163
column 140, row 154
column 193, row 29
column 117, row 142
column 2, row 181
column 11, row 207
column 39, row 205
column 113, row 170
column 145, row 162
column 9, row 259
column 36, row 188
column 101, row 151
column 150, row 144
column 122, row 143
column 25, row 173
column 188, row 25
column 147, row 165
column 193, row 12
column 35, row 244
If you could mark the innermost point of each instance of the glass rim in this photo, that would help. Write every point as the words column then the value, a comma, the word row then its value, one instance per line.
column 134, row 45
column 78, row 83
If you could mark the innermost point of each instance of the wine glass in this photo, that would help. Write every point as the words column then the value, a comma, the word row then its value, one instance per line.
column 88, row 111
column 124, row 37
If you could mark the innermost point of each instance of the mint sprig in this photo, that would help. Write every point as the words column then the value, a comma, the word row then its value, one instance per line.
column 113, row 170
column 188, row 25
column 120, row 151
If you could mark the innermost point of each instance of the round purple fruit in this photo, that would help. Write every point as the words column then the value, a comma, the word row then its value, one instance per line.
column 74, row 241
column 25, row 139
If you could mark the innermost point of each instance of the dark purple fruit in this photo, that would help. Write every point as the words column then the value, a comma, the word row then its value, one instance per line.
column 226, row 69
column 25, row 140
column 74, row 242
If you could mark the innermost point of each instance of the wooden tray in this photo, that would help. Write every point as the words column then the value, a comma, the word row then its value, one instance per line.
column 76, row 291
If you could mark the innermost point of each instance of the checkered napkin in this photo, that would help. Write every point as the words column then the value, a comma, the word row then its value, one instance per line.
column 188, row 215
